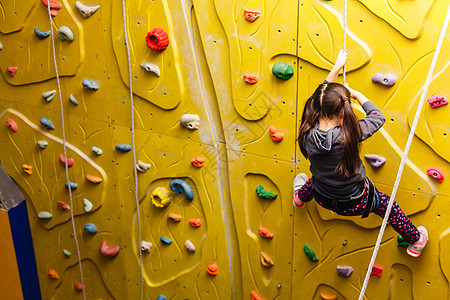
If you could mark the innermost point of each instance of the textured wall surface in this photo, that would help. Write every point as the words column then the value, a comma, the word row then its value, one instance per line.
column 212, row 46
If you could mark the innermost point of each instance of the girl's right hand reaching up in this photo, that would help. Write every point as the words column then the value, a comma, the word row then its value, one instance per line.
column 341, row 59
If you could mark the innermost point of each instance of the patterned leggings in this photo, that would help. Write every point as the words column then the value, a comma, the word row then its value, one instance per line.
column 398, row 220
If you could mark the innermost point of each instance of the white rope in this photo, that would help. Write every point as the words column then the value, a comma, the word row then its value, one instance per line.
column 65, row 152
column 405, row 153
column 133, row 143
column 345, row 38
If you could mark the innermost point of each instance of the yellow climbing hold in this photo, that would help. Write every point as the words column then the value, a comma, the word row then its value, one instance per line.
column 160, row 197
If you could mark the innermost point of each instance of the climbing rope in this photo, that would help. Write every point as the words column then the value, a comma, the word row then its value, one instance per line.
column 64, row 147
column 345, row 38
column 405, row 153
column 133, row 144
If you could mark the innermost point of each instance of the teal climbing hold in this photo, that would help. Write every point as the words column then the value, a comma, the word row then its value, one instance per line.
column 165, row 240
column 42, row 144
column 47, row 123
column 67, row 253
column 181, row 187
column 73, row 185
column 123, row 147
column 42, row 34
column 282, row 70
column 44, row 215
column 161, row 297
column 263, row 193
column 89, row 84
column 310, row 253
column 401, row 242
column 89, row 227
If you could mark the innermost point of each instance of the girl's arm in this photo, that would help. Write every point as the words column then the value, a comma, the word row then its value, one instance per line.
column 341, row 60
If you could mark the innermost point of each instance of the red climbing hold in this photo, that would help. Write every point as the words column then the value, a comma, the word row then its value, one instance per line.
column 62, row 160
column 108, row 251
column 251, row 78
column 437, row 101
column 376, row 270
column 11, row 124
column 79, row 286
column 157, row 39
column 195, row 222
column 12, row 71
column 436, row 174
column 212, row 269
column 276, row 136
column 54, row 7
column 264, row 232
column 63, row 205
column 197, row 162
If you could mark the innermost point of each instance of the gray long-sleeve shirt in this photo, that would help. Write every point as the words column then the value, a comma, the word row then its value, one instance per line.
column 325, row 151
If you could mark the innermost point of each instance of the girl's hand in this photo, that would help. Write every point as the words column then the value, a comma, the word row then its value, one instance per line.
column 341, row 59
column 356, row 95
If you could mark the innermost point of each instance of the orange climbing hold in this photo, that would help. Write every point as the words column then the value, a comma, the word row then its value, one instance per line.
column 255, row 296
column 27, row 169
column 276, row 136
column 266, row 261
column 195, row 222
column 93, row 179
column 52, row 274
column 11, row 124
column 328, row 297
column 251, row 78
column 63, row 205
column 62, row 160
column 12, row 71
column 264, row 232
column 197, row 162
column 174, row 217
column 108, row 251
column 212, row 269
column 54, row 7
column 251, row 15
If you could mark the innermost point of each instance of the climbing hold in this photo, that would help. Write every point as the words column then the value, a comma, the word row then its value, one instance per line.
column 52, row 274
column 376, row 270
column 86, row 11
column 165, row 240
column 255, row 296
column 27, row 169
column 78, row 286
column 73, row 99
column 97, row 150
column 386, row 80
column 276, row 136
column 174, row 217
column 437, row 101
column 63, row 205
column 142, row 167
column 151, row 68
column 160, row 197
column 375, row 160
column 123, row 147
column 146, row 246
column 49, row 95
column 401, row 242
column 65, row 34
column 93, row 179
column 264, row 232
column 1, row 46
column 197, row 162
column 251, row 15
column 310, row 253
column 108, row 251
column 212, row 269
column 181, row 187
column 89, row 84
column 251, row 78
column 12, row 71
column 45, row 216
column 11, row 124
column 47, row 123
column 54, row 7
column 189, row 246
column 344, row 271
column 436, row 174
column 69, row 162
column 265, row 260
column 161, row 297
column 42, row 34
column 157, row 39
column 73, row 185
column 263, row 193
column 87, row 205
column 67, row 253
column 89, row 227
column 282, row 70
column 190, row 121
column 328, row 297
column 195, row 222
column 42, row 144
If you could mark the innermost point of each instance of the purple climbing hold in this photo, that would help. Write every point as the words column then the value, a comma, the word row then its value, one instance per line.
column 344, row 271
column 375, row 160
column 386, row 80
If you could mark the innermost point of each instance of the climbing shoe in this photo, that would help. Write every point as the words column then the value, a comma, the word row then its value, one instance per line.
column 299, row 181
column 416, row 248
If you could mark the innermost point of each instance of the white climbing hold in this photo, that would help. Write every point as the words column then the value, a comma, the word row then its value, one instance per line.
column 49, row 95
column 42, row 144
column 87, row 205
column 73, row 100
column 97, row 150
column 142, row 167
column 190, row 121
column 65, row 34
column 146, row 246
column 86, row 11
column 151, row 68
column 189, row 246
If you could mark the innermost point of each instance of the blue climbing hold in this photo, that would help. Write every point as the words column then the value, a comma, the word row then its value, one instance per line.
column 123, row 147
column 89, row 227
column 161, row 297
column 89, row 84
column 73, row 185
column 47, row 123
column 42, row 34
column 181, row 187
column 166, row 240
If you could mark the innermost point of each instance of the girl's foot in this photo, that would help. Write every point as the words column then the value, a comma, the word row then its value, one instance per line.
column 299, row 181
column 416, row 248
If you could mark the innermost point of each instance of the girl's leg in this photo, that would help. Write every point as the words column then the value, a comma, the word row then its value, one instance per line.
column 398, row 220
column 303, row 194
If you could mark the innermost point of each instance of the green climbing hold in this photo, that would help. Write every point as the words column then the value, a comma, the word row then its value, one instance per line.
column 401, row 242
column 310, row 253
column 282, row 70
column 263, row 193
column 67, row 253
column 45, row 216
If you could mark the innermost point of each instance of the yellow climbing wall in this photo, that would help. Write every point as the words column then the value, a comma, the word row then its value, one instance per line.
column 212, row 46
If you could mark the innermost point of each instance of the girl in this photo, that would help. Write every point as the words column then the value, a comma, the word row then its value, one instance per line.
column 330, row 135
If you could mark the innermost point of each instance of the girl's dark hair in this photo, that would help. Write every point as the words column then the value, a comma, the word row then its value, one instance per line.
column 328, row 101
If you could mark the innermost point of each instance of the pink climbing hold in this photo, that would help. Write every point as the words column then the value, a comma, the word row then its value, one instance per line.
column 63, row 205
column 108, row 251
column 12, row 71
column 54, row 7
column 375, row 160
column 386, row 80
column 62, row 160
column 437, row 101
column 11, row 124
column 436, row 174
